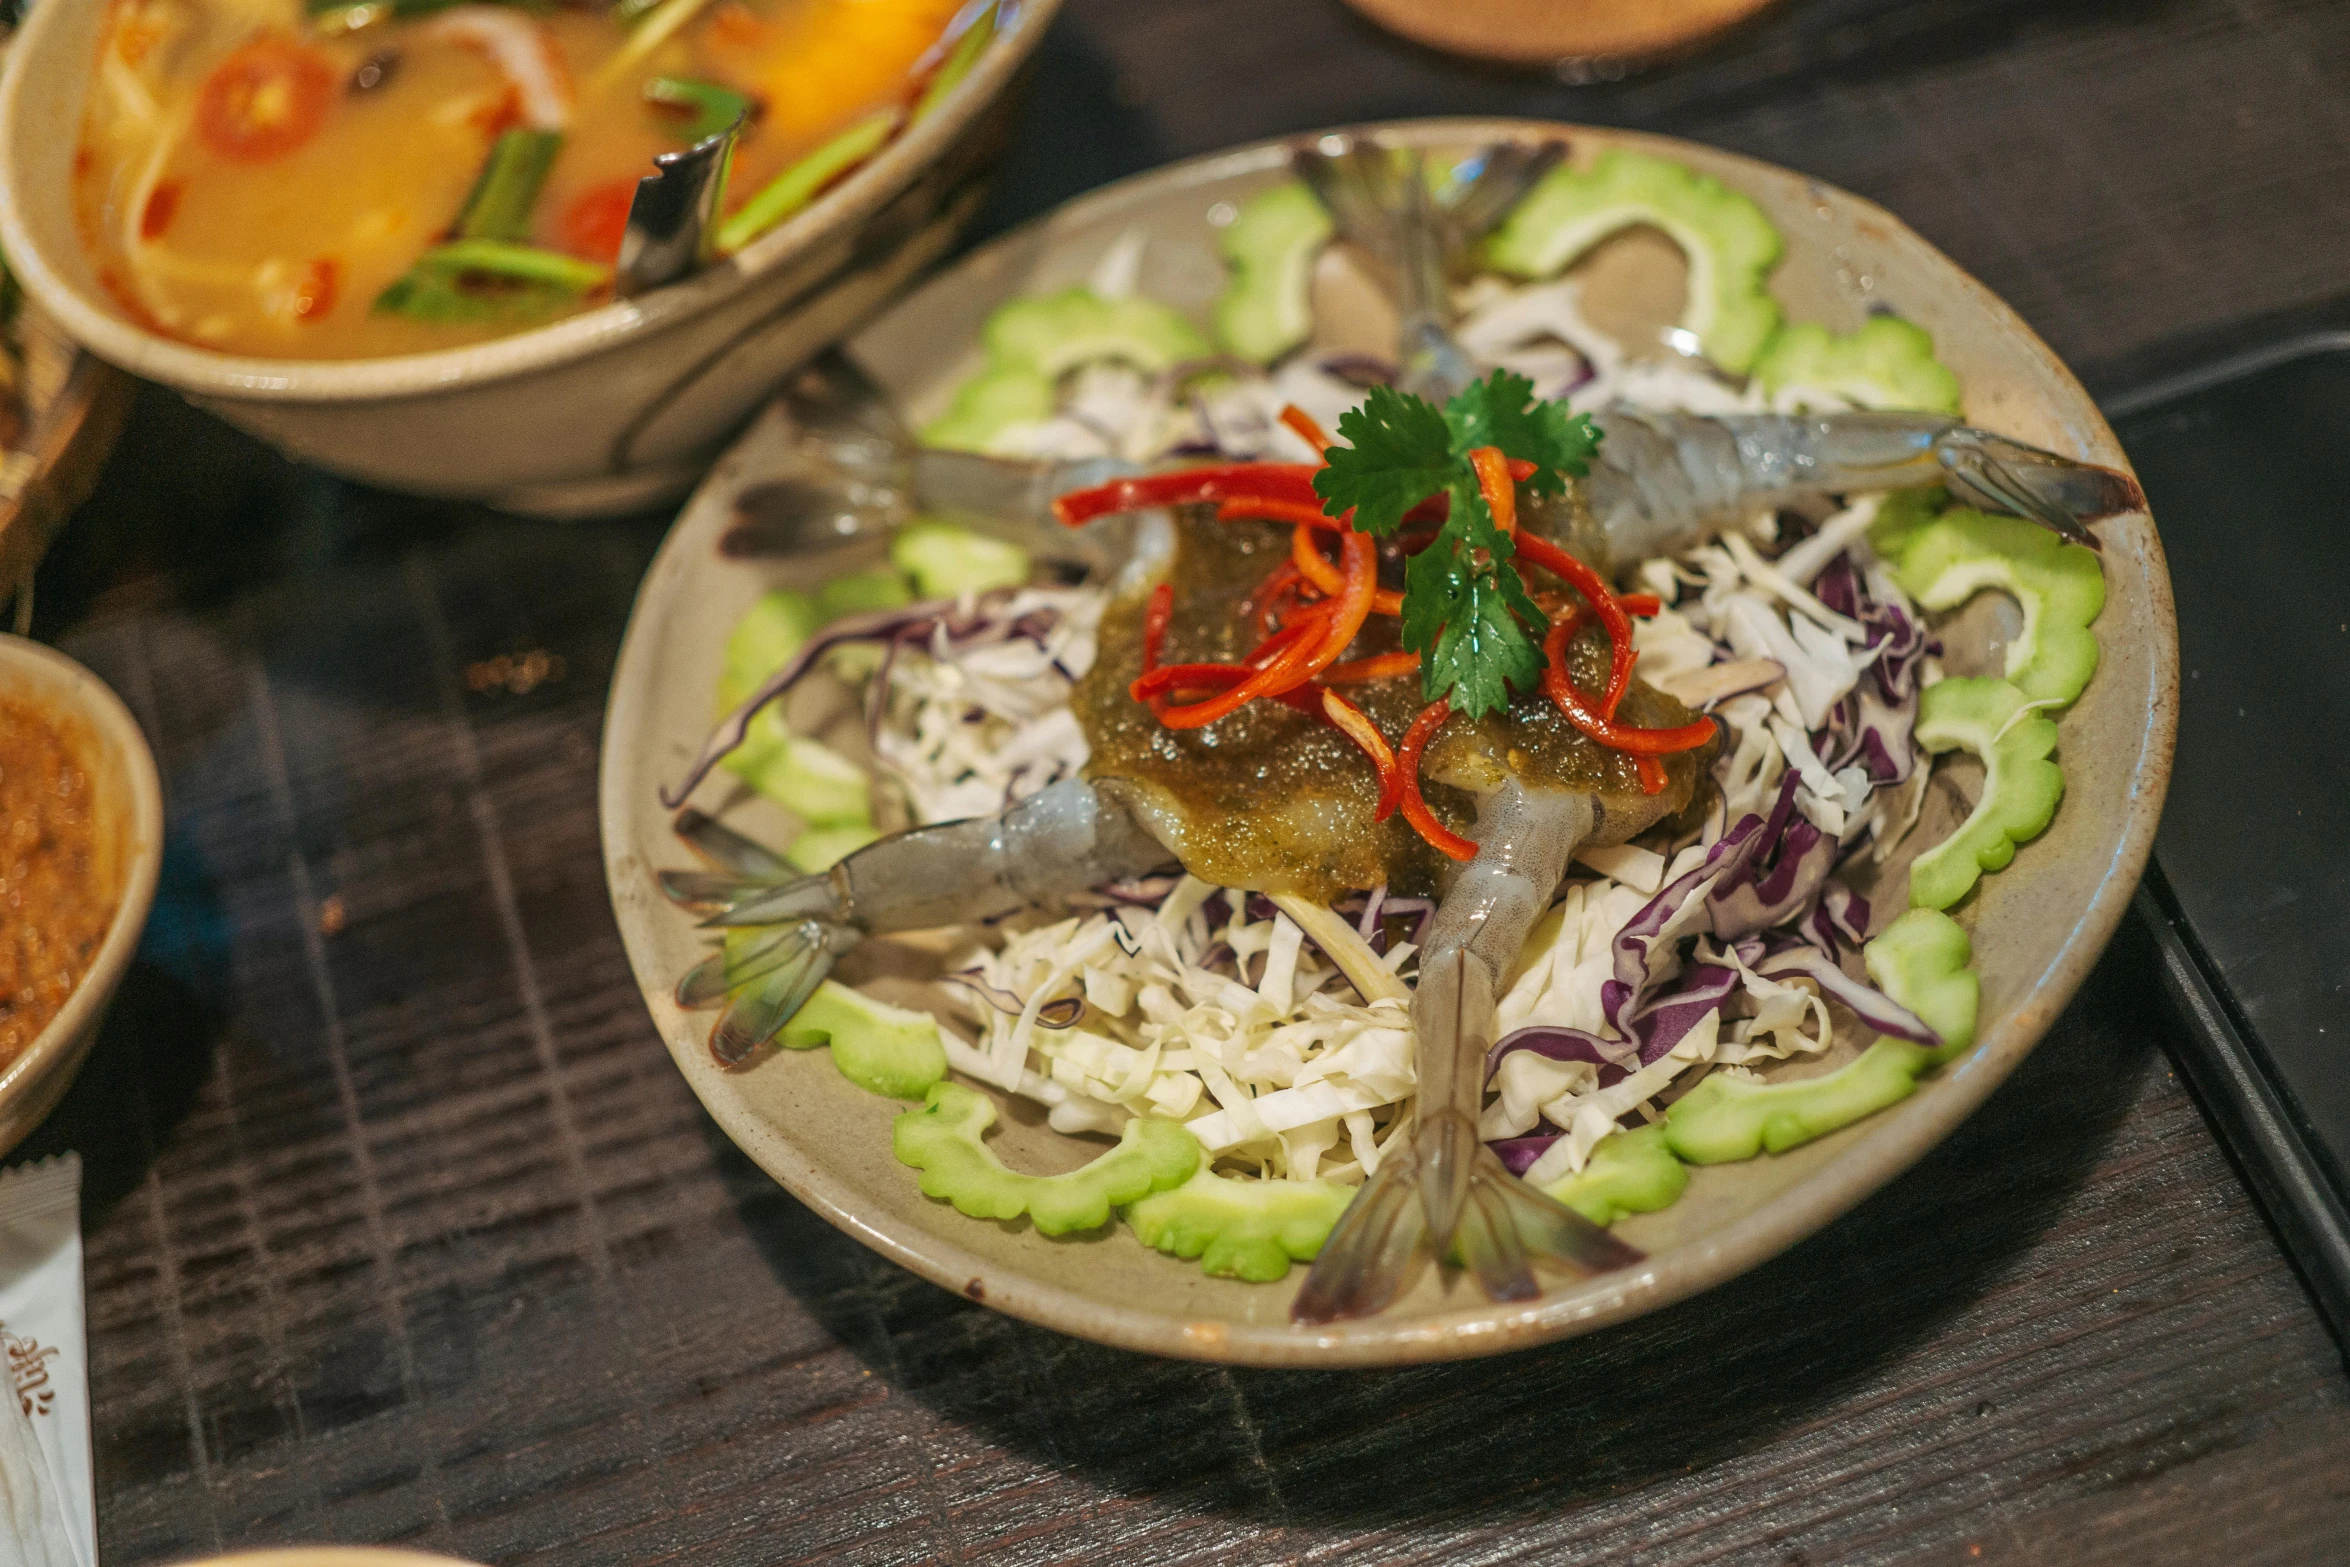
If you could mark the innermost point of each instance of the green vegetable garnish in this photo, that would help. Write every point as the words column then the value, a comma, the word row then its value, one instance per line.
column 1465, row 609
column 958, row 63
column 1731, row 246
column 1888, row 363
column 500, row 203
column 490, row 280
column 859, row 592
column 943, row 1141
column 1270, row 245
column 883, row 1049
column 800, row 184
column 2059, row 586
column 710, row 107
column 1238, row 1229
column 1725, row 1119
column 2020, row 785
column 944, row 560
column 1920, row 961
column 1629, row 1172
column 1034, row 341
column 816, row 783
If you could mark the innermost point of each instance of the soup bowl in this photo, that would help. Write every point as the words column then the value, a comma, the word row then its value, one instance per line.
column 129, row 856
column 618, row 407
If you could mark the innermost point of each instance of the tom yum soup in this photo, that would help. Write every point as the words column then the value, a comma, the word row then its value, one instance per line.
column 405, row 175
column 56, row 900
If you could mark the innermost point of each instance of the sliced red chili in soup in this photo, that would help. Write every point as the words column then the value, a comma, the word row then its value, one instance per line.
column 266, row 99
column 595, row 220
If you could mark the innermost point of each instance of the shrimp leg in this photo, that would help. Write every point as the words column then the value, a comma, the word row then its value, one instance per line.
column 785, row 935
column 1447, row 1184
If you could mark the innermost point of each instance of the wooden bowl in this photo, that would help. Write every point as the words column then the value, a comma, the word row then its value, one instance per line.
column 2037, row 926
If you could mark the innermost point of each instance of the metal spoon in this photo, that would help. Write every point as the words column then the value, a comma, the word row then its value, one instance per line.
column 673, row 222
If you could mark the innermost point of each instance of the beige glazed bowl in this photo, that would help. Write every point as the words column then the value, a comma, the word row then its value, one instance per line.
column 130, row 851
column 619, row 407
column 2037, row 926
column 329, row 1556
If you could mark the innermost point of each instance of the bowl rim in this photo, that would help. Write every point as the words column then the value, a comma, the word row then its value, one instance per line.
column 99, row 328
column 1882, row 1149
column 62, row 683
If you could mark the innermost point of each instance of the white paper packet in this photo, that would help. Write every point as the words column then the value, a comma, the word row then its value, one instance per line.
column 44, row 1365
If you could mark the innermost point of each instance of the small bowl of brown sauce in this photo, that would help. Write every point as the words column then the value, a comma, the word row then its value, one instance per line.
column 81, row 840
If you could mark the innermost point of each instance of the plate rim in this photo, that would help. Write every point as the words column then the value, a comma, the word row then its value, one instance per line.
column 1882, row 1151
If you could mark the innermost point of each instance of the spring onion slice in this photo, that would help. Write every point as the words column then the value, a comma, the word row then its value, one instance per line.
column 798, row 185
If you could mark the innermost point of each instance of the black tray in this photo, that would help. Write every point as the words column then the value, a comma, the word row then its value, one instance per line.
column 2247, row 468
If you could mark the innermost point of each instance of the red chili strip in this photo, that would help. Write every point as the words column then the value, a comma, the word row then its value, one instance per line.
column 1357, row 726
column 1291, row 482
column 1407, row 767
column 1260, row 605
column 1305, row 553
column 1257, row 507
column 1621, row 654
column 1571, row 701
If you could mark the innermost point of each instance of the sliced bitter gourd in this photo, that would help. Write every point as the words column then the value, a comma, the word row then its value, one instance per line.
column 817, row 784
column 1889, row 363
column 1239, row 1229
column 2020, row 785
column 2059, row 587
column 943, row 1140
column 1271, row 245
column 1731, row 246
column 1629, row 1172
column 1031, row 343
column 883, row 1049
column 1725, row 1119
column 1920, row 961
column 945, row 560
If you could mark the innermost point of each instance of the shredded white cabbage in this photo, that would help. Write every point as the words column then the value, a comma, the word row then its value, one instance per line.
column 1236, row 1026
column 970, row 730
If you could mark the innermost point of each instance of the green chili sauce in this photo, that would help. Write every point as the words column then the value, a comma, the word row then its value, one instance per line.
column 1276, row 800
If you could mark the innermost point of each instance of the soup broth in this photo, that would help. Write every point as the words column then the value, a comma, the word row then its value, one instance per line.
column 400, row 177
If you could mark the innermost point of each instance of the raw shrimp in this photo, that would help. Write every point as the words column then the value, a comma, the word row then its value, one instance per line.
column 786, row 931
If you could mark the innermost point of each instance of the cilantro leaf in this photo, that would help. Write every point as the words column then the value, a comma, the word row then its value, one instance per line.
column 1502, row 411
column 1402, row 454
column 1462, row 612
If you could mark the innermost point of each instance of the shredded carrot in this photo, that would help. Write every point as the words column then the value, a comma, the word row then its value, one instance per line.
column 1312, row 564
column 1407, row 768
column 1357, row 726
column 1493, row 482
column 1379, row 666
column 1307, row 429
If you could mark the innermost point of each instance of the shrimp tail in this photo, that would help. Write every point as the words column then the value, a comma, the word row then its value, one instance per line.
column 1383, row 1240
column 1997, row 474
column 1446, row 1193
column 803, row 954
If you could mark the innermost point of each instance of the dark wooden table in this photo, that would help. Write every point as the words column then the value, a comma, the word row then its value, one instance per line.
column 402, row 1229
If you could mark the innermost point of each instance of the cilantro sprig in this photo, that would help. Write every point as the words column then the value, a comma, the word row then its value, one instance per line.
column 1466, row 611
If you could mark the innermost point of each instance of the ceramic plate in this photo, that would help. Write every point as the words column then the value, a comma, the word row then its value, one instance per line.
column 2037, row 927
